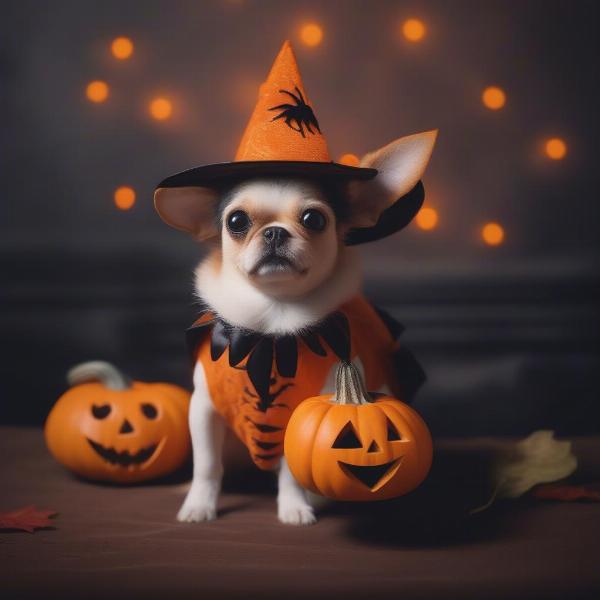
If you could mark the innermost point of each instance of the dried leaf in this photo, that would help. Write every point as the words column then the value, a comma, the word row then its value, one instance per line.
column 537, row 459
column 567, row 493
column 27, row 519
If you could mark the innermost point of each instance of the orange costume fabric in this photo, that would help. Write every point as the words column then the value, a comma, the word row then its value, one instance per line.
column 259, row 416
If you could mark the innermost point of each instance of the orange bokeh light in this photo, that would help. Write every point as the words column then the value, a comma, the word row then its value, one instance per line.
column 122, row 48
column 492, row 234
column 97, row 91
column 349, row 159
column 427, row 218
column 555, row 148
column 161, row 109
column 493, row 97
column 413, row 30
column 124, row 197
column 311, row 34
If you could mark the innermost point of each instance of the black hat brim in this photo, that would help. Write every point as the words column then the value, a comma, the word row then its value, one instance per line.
column 218, row 173
column 392, row 220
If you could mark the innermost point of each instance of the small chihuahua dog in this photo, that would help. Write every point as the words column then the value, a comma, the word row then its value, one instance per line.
column 277, row 267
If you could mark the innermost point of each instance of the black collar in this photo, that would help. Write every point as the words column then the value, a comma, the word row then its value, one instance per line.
column 262, row 349
column 332, row 334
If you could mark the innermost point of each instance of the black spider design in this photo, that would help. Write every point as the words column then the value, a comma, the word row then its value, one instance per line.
column 300, row 112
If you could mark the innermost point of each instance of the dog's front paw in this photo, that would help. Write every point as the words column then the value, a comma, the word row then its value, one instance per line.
column 296, row 513
column 195, row 512
column 201, row 502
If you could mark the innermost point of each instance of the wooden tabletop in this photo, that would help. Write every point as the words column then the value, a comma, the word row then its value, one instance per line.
column 124, row 542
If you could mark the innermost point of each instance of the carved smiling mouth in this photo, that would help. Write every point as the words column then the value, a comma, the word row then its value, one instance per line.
column 373, row 476
column 124, row 458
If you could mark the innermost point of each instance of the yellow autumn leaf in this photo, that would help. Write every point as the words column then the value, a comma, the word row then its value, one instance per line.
column 539, row 458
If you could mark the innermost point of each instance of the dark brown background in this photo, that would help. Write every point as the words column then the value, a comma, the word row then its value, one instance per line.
column 508, row 335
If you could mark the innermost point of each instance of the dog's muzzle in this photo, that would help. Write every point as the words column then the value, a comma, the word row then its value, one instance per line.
column 274, row 262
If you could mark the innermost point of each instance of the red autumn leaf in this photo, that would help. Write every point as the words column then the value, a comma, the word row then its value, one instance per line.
column 27, row 519
column 567, row 493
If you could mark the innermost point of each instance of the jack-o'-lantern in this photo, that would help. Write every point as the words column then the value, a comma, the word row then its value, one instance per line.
column 353, row 445
column 108, row 428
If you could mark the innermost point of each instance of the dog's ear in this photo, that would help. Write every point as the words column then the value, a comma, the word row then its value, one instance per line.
column 191, row 209
column 400, row 166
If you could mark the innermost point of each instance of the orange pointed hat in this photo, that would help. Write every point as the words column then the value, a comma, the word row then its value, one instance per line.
column 283, row 125
column 283, row 137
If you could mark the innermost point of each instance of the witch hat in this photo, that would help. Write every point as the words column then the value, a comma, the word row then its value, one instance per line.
column 284, row 137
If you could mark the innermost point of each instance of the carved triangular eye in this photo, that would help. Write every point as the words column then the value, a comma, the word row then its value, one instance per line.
column 347, row 438
column 392, row 433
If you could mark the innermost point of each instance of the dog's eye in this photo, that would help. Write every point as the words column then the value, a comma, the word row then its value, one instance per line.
column 101, row 411
column 313, row 219
column 238, row 222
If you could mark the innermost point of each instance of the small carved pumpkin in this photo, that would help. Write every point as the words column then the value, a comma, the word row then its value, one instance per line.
column 108, row 428
column 353, row 445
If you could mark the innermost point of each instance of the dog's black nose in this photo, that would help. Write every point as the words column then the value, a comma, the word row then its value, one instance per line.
column 275, row 235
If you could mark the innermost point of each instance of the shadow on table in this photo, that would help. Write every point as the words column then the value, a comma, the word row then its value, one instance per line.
column 434, row 515
column 437, row 513
column 250, row 480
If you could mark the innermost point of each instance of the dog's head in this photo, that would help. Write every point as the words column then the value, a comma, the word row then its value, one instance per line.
column 285, row 235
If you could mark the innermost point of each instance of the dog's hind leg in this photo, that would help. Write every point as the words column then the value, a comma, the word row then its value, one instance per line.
column 207, row 430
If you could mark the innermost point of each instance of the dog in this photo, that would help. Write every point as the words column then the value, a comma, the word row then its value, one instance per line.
column 278, row 267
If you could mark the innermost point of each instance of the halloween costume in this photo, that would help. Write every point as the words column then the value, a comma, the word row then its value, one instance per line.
column 256, row 381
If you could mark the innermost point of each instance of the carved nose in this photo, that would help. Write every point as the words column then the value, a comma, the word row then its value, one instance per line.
column 126, row 427
column 275, row 235
column 373, row 447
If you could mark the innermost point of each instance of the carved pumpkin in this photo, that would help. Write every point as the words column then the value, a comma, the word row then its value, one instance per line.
column 353, row 445
column 108, row 428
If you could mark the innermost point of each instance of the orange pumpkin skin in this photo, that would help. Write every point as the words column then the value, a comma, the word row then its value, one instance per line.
column 159, row 442
column 381, row 468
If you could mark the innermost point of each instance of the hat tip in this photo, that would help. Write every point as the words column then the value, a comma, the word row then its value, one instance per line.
column 287, row 45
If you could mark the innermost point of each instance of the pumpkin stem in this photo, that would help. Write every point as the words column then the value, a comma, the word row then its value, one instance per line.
column 98, row 370
column 349, row 386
